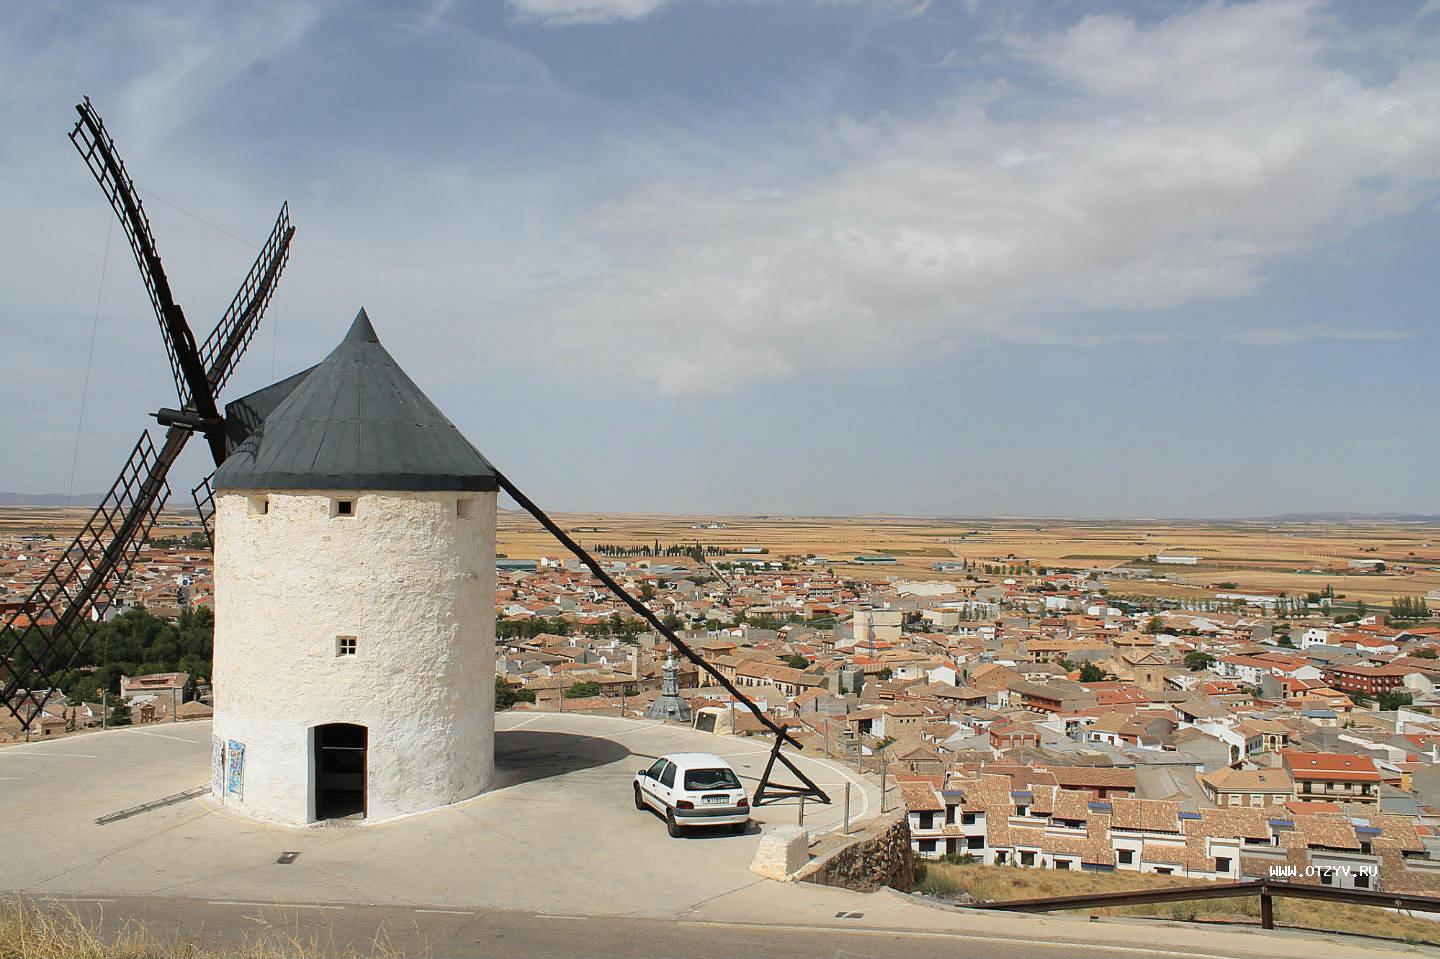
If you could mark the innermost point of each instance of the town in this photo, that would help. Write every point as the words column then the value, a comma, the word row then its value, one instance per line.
column 1158, row 715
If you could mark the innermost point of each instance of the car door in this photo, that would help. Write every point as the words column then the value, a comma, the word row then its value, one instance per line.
column 665, row 785
column 650, row 783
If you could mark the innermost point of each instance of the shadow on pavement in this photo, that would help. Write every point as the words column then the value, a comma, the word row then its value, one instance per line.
column 524, row 755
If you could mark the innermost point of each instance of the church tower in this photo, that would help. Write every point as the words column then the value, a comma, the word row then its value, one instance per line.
column 354, row 599
column 669, row 704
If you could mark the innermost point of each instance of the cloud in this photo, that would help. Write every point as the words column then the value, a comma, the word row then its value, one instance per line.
column 1289, row 335
column 560, row 13
column 567, row 12
column 1152, row 166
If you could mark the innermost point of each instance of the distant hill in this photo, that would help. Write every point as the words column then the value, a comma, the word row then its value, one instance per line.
column 49, row 499
column 1342, row 518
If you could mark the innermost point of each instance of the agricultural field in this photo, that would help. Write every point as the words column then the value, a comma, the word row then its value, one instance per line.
column 1295, row 558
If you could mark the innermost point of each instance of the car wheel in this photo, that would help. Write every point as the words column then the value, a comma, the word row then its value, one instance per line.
column 639, row 799
column 671, row 826
column 739, row 827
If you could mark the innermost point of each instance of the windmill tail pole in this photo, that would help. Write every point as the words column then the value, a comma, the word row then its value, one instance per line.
column 640, row 608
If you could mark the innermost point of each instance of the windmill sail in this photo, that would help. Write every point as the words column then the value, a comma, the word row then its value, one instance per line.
column 47, row 635
column 204, row 496
column 98, row 151
column 237, row 327
column 44, row 637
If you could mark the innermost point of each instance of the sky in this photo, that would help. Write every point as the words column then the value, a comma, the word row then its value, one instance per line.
column 819, row 257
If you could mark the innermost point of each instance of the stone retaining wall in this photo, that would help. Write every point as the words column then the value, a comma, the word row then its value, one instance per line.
column 876, row 854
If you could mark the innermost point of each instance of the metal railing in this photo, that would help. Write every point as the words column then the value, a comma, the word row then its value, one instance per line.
column 1266, row 889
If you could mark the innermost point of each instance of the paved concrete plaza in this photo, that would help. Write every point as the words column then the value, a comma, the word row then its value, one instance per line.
column 559, row 833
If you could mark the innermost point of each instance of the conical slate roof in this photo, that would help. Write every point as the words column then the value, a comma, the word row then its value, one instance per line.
column 357, row 422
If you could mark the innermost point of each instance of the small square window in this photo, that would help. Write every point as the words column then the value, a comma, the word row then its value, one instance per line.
column 1126, row 856
column 465, row 508
column 1222, row 864
column 346, row 645
column 344, row 507
column 259, row 505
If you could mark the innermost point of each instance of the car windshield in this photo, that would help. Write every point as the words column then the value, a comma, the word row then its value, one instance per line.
column 711, row 779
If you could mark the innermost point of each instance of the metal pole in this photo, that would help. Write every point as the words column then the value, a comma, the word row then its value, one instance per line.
column 847, row 810
column 103, row 694
column 802, row 809
column 882, row 782
column 1267, row 910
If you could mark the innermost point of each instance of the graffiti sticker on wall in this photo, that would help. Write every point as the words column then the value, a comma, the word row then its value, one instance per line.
column 217, row 766
column 235, row 769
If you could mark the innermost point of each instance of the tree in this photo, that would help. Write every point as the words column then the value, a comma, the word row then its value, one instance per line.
column 1197, row 661
column 507, row 695
column 1154, row 626
column 1427, row 653
column 1409, row 607
column 796, row 661
column 1090, row 673
column 583, row 689
column 885, row 673
column 1388, row 702
column 119, row 714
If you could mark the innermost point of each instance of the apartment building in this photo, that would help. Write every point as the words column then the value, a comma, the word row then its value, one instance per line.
column 1332, row 777
column 1047, row 827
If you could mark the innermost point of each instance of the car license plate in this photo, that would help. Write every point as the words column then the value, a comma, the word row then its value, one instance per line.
column 717, row 800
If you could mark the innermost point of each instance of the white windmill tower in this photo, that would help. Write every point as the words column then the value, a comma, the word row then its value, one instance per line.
column 354, row 598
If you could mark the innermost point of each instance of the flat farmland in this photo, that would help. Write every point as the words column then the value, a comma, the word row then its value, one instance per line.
column 1290, row 558
column 1301, row 557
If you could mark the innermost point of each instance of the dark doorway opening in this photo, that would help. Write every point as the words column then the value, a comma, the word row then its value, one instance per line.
column 340, row 771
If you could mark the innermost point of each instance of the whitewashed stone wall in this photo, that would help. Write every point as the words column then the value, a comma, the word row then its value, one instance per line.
column 414, row 581
column 783, row 851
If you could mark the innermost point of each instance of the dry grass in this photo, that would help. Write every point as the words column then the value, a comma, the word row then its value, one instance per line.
column 1001, row 883
column 28, row 931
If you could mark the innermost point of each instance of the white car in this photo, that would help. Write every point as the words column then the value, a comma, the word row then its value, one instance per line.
column 693, row 789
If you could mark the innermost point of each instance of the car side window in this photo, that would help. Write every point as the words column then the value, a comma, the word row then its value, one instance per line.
column 667, row 778
column 655, row 769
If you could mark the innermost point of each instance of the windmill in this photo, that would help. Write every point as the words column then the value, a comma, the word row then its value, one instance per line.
column 74, row 594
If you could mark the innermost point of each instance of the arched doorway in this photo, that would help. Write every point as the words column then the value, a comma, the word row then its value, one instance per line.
column 340, row 771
